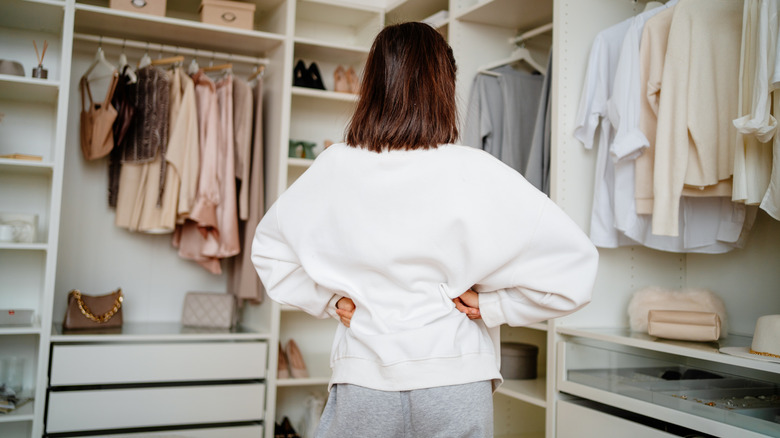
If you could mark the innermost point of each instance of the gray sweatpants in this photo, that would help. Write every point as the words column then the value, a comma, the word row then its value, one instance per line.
column 458, row 411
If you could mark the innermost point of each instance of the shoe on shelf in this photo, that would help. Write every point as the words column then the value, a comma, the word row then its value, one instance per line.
column 340, row 81
column 285, row 430
column 314, row 77
column 300, row 75
column 283, row 365
column 297, row 365
column 354, row 82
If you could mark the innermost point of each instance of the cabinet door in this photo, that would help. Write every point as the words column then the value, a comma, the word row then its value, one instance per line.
column 575, row 421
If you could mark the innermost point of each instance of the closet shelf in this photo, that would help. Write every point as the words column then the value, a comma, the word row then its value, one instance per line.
column 36, row 15
column 314, row 50
column 513, row 14
column 23, row 413
column 20, row 330
column 321, row 94
column 413, row 10
column 530, row 391
column 28, row 89
column 8, row 165
column 698, row 350
column 103, row 21
column 24, row 246
column 156, row 331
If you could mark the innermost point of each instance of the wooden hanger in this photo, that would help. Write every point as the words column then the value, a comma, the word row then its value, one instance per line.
column 258, row 72
column 227, row 66
column 169, row 60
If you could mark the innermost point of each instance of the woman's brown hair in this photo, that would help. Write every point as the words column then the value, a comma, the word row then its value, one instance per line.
column 407, row 97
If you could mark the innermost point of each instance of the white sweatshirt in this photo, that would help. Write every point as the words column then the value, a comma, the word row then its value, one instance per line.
column 402, row 233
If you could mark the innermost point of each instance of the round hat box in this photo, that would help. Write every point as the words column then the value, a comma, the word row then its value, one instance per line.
column 518, row 360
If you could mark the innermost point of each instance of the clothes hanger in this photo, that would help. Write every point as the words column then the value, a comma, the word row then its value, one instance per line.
column 259, row 71
column 100, row 61
column 194, row 67
column 146, row 60
column 520, row 54
column 170, row 60
column 131, row 77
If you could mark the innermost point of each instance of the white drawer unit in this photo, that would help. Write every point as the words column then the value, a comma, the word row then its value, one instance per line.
column 157, row 381
column 124, row 408
column 91, row 364
column 253, row 431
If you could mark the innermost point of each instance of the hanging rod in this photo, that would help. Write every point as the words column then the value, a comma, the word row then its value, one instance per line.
column 531, row 33
column 203, row 54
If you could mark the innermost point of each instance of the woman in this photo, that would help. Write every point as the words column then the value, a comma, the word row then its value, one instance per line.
column 387, row 231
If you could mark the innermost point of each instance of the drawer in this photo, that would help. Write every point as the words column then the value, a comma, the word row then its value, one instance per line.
column 86, row 364
column 576, row 421
column 106, row 409
column 253, row 431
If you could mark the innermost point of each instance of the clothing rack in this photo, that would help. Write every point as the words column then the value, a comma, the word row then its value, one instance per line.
column 177, row 50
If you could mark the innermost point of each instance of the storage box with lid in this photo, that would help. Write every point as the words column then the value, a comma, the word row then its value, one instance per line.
column 228, row 13
column 152, row 7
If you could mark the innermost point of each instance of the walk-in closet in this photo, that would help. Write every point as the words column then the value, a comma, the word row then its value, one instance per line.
column 287, row 71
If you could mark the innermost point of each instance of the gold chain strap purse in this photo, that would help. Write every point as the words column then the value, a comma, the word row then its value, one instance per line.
column 93, row 312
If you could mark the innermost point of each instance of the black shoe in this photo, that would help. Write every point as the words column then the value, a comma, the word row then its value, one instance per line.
column 300, row 75
column 315, row 78
column 287, row 429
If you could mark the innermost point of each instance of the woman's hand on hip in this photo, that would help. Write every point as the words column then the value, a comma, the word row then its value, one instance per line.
column 468, row 303
column 345, row 308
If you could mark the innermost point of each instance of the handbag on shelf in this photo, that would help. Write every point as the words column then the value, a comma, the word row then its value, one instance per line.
column 93, row 312
column 209, row 310
column 683, row 325
column 689, row 300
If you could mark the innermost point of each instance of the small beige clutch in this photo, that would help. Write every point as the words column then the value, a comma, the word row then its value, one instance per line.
column 209, row 310
column 683, row 325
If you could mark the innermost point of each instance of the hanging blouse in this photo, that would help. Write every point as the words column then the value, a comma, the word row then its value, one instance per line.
column 695, row 136
column 242, row 136
column 124, row 104
column 756, row 126
column 97, row 119
column 244, row 282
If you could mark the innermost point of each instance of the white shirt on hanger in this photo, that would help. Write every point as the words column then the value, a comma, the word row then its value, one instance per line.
column 592, row 115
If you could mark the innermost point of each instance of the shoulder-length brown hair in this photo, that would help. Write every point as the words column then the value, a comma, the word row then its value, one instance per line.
column 407, row 97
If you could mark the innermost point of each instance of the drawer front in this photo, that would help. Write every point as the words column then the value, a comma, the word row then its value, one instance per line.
column 105, row 409
column 211, row 432
column 74, row 364
column 575, row 421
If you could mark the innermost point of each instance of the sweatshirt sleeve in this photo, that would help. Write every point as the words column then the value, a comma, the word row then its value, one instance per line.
column 281, row 272
column 551, row 276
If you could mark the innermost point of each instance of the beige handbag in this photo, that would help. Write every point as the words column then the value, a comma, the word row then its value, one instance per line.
column 93, row 312
column 97, row 122
column 209, row 310
column 683, row 325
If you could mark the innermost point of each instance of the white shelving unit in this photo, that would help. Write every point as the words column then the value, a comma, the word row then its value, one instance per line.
column 34, row 124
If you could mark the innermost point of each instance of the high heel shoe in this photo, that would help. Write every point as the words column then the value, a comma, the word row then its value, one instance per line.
column 297, row 365
column 354, row 82
column 300, row 75
column 314, row 77
column 340, row 81
column 283, row 366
